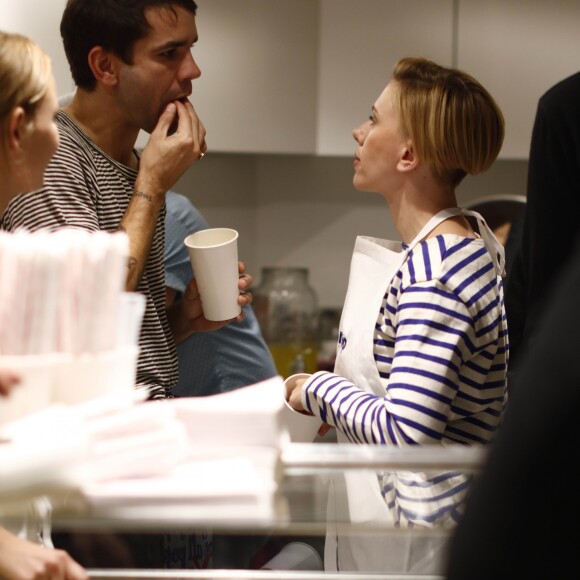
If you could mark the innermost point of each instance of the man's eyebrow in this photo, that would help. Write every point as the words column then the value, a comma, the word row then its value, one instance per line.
column 176, row 44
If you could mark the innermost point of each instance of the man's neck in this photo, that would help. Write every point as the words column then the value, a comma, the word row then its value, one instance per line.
column 104, row 126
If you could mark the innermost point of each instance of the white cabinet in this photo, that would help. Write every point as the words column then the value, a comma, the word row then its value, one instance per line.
column 360, row 42
column 258, row 58
column 296, row 76
column 518, row 49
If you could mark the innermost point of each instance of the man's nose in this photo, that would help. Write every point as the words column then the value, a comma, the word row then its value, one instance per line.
column 189, row 69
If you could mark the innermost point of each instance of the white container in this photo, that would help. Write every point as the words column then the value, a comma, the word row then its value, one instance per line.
column 83, row 377
column 34, row 392
column 301, row 428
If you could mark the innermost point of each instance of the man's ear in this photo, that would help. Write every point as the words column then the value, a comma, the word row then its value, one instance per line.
column 103, row 64
column 408, row 159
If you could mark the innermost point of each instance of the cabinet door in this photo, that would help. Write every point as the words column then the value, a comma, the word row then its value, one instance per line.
column 518, row 49
column 360, row 42
column 258, row 58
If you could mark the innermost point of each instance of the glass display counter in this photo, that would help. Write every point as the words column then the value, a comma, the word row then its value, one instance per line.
column 298, row 508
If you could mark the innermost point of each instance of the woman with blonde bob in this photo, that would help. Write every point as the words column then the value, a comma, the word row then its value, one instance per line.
column 423, row 347
column 28, row 139
column 28, row 104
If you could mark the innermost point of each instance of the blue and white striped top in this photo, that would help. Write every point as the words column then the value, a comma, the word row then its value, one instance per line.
column 441, row 349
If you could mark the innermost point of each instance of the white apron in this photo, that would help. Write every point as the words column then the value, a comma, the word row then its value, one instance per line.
column 355, row 496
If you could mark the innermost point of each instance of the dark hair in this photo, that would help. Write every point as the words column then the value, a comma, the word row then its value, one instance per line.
column 113, row 24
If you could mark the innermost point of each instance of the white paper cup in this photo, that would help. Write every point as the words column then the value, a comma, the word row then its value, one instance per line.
column 295, row 556
column 301, row 428
column 33, row 392
column 214, row 258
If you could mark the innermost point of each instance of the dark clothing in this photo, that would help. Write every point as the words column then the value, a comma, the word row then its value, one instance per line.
column 522, row 512
column 551, row 215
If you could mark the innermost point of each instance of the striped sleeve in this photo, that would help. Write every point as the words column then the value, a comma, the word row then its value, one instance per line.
column 422, row 383
column 440, row 348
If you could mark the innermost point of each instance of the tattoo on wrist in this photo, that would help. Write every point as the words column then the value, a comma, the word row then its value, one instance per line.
column 143, row 195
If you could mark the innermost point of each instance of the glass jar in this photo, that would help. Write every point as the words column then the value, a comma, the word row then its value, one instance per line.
column 287, row 309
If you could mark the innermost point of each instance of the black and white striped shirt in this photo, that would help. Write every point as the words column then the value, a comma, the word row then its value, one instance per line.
column 86, row 188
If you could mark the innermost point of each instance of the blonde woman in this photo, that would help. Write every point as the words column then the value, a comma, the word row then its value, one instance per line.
column 28, row 139
column 422, row 349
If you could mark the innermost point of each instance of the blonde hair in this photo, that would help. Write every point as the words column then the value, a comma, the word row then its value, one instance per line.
column 25, row 73
column 455, row 125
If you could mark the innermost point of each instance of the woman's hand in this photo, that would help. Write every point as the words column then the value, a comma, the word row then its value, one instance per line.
column 8, row 379
column 294, row 386
column 294, row 392
column 23, row 560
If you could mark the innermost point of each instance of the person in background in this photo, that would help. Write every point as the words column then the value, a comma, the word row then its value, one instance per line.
column 423, row 344
column 28, row 139
column 553, row 204
column 231, row 357
column 520, row 519
column 132, row 72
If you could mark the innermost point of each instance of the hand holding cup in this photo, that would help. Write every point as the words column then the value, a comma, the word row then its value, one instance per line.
column 214, row 258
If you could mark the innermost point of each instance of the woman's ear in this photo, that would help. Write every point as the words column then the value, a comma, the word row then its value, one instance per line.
column 408, row 160
column 16, row 130
column 102, row 63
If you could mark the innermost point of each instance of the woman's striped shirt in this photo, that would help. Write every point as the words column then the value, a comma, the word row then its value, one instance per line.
column 441, row 350
column 440, row 346
column 87, row 189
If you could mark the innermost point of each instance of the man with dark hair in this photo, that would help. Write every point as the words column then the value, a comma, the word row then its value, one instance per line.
column 133, row 72
column 133, row 66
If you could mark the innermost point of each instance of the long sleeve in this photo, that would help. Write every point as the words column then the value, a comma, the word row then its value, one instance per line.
column 440, row 348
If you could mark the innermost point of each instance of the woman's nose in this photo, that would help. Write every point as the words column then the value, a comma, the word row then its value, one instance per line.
column 358, row 134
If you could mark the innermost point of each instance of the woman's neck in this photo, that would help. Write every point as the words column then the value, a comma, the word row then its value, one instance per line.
column 413, row 206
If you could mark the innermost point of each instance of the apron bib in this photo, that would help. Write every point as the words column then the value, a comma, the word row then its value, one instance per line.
column 355, row 496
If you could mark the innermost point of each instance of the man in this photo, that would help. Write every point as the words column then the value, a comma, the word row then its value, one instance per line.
column 131, row 61
column 133, row 71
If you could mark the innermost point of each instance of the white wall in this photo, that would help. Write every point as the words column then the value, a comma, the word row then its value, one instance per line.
column 296, row 210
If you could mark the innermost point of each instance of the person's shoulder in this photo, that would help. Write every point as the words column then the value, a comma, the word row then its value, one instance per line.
column 438, row 257
column 182, row 214
column 71, row 148
column 177, row 203
column 565, row 90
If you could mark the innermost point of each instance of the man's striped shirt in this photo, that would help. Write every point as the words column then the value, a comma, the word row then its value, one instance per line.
column 87, row 189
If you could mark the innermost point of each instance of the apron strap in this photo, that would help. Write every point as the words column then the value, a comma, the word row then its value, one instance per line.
column 432, row 224
column 492, row 244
